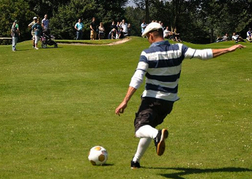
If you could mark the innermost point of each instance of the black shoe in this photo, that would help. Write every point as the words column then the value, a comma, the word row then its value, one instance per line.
column 135, row 165
column 160, row 141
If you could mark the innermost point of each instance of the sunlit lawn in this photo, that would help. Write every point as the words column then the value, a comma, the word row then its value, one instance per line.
column 57, row 103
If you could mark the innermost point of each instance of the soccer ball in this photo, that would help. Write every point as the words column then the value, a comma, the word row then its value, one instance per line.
column 98, row 155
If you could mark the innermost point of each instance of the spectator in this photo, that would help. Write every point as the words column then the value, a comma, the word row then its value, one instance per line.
column 32, row 31
column 167, row 33
column 93, row 29
column 101, row 31
column 237, row 38
column 249, row 35
column 143, row 26
column 38, row 31
column 112, row 34
column 129, row 29
column 118, row 25
column 45, row 24
column 79, row 27
column 113, row 25
column 162, row 24
column 120, row 33
column 176, row 35
column 124, row 25
column 225, row 37
column 221, row 39
column 15, row 33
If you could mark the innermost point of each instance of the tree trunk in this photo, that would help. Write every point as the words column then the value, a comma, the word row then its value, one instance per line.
column 147, row 12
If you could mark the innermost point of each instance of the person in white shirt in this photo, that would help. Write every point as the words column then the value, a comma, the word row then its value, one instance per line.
column 124, row 25
column 167, row 33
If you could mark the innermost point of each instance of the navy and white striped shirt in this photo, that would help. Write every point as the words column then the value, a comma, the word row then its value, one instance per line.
column 161, row 65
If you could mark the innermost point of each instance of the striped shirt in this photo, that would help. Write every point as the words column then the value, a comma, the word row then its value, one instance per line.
column 161, row 65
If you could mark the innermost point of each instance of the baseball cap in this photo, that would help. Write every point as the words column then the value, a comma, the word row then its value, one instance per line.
column 34, row 18
column 151, row 27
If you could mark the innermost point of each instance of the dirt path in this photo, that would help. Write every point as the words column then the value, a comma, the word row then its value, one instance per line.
column 88, row 44
column 120, row 41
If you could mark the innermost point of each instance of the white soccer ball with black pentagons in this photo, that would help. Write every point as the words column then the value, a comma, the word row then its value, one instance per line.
column 98, row 155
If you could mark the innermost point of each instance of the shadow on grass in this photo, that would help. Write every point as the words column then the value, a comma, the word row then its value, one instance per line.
column 40, row 48
column 187, row 171
column 108, row 164
column 20, row 50
column 50, row 47
column 104, row 165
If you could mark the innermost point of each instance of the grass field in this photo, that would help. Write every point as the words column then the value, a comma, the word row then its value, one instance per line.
column 57, row 103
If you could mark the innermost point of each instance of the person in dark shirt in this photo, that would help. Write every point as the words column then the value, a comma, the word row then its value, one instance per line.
column 93, row 29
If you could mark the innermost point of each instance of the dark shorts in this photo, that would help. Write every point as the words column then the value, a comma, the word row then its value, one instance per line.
column 152, row 112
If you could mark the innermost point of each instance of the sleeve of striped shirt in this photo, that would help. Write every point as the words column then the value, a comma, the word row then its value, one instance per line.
column 203, row 54
column 139, row 74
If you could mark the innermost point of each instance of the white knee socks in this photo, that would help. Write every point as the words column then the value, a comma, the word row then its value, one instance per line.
column 141, row 148
column 146, row 133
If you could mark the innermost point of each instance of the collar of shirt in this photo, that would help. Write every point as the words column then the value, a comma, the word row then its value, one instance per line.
column 164, row 42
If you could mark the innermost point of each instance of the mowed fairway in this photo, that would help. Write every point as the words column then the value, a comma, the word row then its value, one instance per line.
column 57, row 103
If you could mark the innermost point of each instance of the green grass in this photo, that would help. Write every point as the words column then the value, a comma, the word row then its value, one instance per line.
column 57, row 103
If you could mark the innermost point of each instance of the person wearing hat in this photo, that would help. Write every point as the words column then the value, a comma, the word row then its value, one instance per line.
column 32, row 31
column 15, row 33
column 161, row 66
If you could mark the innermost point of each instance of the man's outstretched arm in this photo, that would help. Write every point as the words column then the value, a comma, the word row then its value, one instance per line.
column 205, row 54
column 218, row 52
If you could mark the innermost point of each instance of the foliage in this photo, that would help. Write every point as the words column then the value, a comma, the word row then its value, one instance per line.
column 197, row 21
column 63, row 22
column 200, row 21
column 50, row 7
column 135, row 17
column 62, row 14
column 104, row 11
column 15, row 10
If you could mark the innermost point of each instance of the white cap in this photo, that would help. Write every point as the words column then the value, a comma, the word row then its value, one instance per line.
column 151, row 27
column 34, row 18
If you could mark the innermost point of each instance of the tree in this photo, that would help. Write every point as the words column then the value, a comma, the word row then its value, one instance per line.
column 225, row 16
column 200, row 21
column 197, row 21
column 15, row 10
column 50, row 7
column 135, row 16
column 144, row 4
column 109, row 10
column 63, row 22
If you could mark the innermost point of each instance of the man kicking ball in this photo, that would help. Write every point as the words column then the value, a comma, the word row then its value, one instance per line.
column 161, row 66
